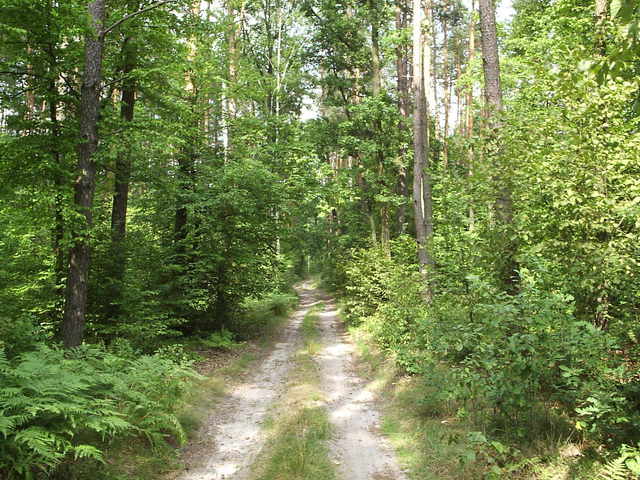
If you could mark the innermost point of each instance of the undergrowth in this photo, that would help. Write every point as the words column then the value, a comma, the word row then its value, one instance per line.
column 437, row 437
column 112, row 413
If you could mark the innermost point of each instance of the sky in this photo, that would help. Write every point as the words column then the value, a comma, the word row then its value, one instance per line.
column 505, row 11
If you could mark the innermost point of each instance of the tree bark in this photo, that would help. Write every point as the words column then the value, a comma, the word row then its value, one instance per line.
column 490, row 58
column 403, row 107
column 121, row 188
column 469, row 112
column 58, row 230
column 493, row 99
column 80, row 255
column 421, row 179
column 446, row 71
column 187, row 159
column 376, row 88
column 234, row 61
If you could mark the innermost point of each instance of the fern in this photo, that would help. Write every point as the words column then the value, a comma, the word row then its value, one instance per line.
column 57, row 406
column 614, row 470
column 625, row 467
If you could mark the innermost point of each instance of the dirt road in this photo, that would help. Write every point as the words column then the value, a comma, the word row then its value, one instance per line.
column 233, row 437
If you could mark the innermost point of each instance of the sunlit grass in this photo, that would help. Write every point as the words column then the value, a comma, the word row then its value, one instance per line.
column 299, row 429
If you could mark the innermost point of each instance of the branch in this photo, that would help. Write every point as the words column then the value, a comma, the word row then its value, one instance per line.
column 115, row 25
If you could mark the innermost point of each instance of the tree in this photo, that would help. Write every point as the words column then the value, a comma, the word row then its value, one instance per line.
column 402, row 74
column 493, row 101
column 122, row 177
column 80, row 254
column 422, row 202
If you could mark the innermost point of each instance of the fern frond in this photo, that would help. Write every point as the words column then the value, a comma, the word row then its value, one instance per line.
column 615, row 470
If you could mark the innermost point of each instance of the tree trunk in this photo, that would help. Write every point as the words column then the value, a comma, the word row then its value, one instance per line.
column 493, row 100
column 234, row 61
column 121, row 189
column 602, row 11
column 58, row 229
column 403, row 107
column 446, row 67
column 79, row 256
column 469, row 113
column 421, row 179
column 431, row 72
column 376, row 88
column 187, row 159
column 490, row 58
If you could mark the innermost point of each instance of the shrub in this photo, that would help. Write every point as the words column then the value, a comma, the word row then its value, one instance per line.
column 507, row 354
column 258, row 314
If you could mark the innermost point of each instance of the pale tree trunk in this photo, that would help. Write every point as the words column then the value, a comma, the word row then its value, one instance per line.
column 446, row 67
column 459, row 99
column 469, row 111
column 493, row 100
column 490, row 59
column 230, row 103
column 79, row 257
column 403, row 107
column 30, row 95
column 431, row 71
column 601, row 11
column 421, row 179
column 427, row 201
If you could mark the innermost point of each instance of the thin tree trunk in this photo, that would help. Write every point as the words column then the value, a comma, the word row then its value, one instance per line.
column 431, row 72
column 79, row 257
column 233, row 60
column 469, row 119
column 58, row 230
column 459, row 99
column 601, row 11
column 187, row 159
column 447, row 94
column 603, row 301
column 421, row 180
column 403, row 107
column 121, row 189
column 376, row 87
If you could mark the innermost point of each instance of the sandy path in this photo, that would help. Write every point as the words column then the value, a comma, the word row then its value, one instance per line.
column 357, row 447
column 232, row 437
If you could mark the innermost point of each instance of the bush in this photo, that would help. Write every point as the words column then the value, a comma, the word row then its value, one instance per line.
column 223, row 340
column 259, row 314
column 384, row 292
column 506, row 354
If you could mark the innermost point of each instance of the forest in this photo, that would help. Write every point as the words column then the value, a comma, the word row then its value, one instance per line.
column 467, row 187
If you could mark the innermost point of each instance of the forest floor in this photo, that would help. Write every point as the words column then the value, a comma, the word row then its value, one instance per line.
column 237, row 439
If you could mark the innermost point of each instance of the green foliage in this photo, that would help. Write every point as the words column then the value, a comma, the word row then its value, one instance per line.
column 522, row 366
column 384, row 291
column 624, row 467
column 259, row 314
column 59, row 407
column 221, row 340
